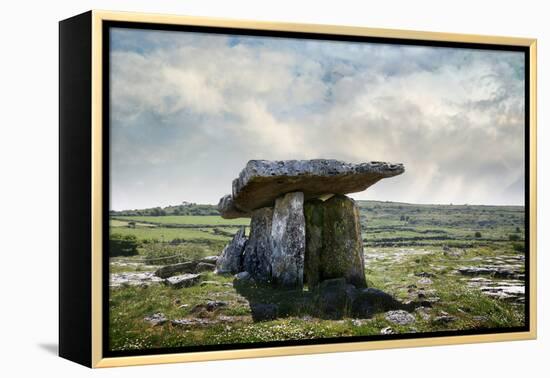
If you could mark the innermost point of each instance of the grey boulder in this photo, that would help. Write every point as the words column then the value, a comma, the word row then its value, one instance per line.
column 175, row 269
column 334, row 298
column 230, row 260
column 184, row 280
column 400, row 317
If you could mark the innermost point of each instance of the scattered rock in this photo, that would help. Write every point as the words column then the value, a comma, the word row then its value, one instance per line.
column 509, row 290
column 156, row 319
column 193, row 322
column 480, row 318
column 493, row 271
column 184, row 280
column 425, row 281
column 445, row 319
column 213, row 305
column 288, row 241
column 400, row 317
column 208, row 306
column 205, row 267
column 133, row 279
column 424, row 274
column 359, row 322
column 209, row 259
column 423, row 312
column 427, row 304
column 212, row 283
column 243, row 278
column 334, row 297
column 512, row 293
column 230, row 260
column 262, row 181
column 175, row 269
column 264, row 311
column 186, row 322
column 387, row 331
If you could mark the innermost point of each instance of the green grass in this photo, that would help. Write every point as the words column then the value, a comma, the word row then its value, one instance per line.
column 168, row 234
column 128, row 307
column 434, row 239
column 200, row 220
column 157, row 253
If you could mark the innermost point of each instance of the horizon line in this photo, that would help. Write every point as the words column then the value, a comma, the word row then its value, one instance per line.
column 357, row 200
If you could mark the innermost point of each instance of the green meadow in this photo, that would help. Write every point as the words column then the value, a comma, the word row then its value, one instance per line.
column 413, row 252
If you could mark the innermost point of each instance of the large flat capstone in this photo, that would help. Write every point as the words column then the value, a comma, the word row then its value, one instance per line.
column 261, row 182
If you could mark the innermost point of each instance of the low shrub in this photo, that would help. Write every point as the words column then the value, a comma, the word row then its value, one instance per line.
column 123, row 245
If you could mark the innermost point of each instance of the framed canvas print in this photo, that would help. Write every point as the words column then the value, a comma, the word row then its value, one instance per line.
column 235, row 189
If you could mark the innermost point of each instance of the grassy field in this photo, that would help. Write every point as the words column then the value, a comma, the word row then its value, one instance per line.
column 198, row 220
column 414, row 252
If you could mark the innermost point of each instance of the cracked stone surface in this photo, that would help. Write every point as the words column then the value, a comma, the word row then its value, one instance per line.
column 261, row 182
column 133, row 279
column 288, row 241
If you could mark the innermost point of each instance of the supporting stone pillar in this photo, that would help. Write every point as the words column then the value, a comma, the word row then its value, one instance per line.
column 335, row 246
column 257, row 253
column 314, row 217
column 288, row 241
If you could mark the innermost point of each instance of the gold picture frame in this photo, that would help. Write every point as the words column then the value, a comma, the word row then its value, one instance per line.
column 92, row 24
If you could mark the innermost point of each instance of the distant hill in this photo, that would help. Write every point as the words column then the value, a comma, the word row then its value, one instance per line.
column 189, row 208
column 185, row 208
column 384, row 224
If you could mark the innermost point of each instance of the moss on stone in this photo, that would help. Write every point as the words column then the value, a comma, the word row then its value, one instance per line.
column 314, row 215
column 334, row 248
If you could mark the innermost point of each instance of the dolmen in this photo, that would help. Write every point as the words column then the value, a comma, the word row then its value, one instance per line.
column 304, row 229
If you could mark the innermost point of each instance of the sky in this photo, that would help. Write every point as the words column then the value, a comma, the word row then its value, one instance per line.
column 188, row 110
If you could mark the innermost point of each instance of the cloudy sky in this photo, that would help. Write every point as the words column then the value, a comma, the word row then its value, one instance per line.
column 188, row 110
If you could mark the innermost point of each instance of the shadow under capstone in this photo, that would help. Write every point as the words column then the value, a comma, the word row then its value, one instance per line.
column 332, row 299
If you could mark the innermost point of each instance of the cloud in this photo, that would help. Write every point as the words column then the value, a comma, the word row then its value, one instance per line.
column 189, row 110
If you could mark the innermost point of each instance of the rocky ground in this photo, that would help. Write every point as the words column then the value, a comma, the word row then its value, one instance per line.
column 441, row 288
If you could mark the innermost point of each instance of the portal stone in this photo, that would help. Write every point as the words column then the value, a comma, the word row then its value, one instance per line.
column 257, row 253
column 288, row 240
column 230, row 260
column 342, row 253
column 314, row 217
column 334, row 247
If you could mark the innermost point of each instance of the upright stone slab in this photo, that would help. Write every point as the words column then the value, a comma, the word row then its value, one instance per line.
column 314, row 218
column 342, row 252
column 230, row 260
column 288, row 240
column 257, row 253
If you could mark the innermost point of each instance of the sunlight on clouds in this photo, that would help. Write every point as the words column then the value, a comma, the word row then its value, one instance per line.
column 189, row 110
